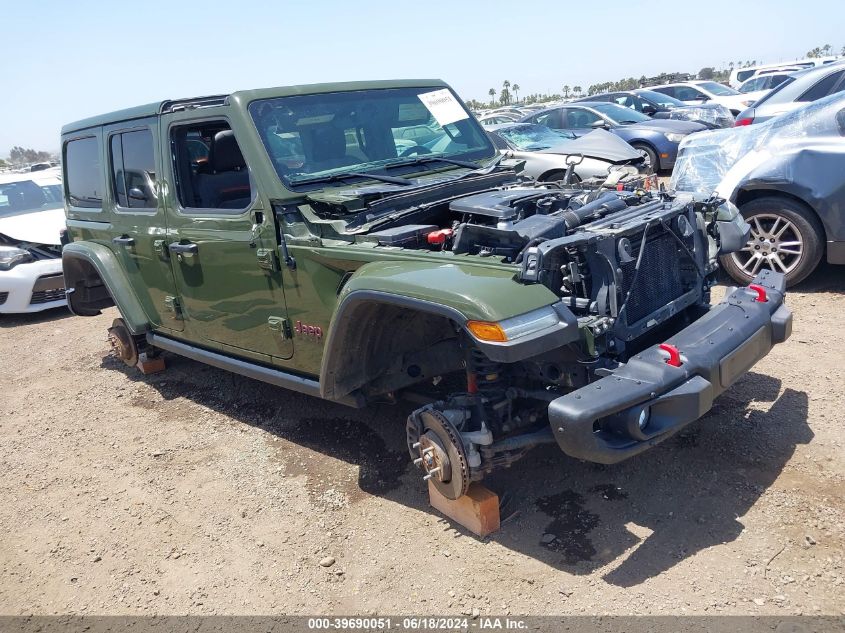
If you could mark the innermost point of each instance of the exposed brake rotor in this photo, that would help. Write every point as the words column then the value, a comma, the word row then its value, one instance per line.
column 436, row 447
column 122, row 343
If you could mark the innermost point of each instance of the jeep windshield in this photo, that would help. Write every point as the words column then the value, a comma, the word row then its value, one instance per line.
column 318, row 137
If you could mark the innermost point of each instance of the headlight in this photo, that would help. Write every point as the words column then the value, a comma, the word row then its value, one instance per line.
column 727, row 211
column 515, row 327
column 11, row 256
column 674, row 137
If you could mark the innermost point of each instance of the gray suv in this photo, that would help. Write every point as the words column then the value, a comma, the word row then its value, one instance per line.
column 798, row 90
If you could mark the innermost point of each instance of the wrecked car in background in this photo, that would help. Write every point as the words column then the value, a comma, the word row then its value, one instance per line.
column 291, row 239
column 31, row 221
column 657, row 140
column 548, row 154
column 788, row 178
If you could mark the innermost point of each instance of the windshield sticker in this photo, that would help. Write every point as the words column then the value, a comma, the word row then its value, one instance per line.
column 443, row 105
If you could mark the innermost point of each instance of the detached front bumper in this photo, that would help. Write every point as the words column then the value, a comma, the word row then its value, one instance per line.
column 602, row 421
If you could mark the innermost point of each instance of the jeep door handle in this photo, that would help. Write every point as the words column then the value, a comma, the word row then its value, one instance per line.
column 123, row 240
column 176, row 247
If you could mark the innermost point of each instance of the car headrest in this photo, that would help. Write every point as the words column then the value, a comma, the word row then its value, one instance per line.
column 225, row 155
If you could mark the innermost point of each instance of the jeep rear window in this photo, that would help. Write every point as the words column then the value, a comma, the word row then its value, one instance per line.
column 84, row 180
column 310, row 136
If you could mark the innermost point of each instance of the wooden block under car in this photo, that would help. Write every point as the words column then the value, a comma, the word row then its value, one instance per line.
column 150, row 365
column 477, row 510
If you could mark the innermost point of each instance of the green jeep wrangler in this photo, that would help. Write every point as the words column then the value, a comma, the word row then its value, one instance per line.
column 361, row 241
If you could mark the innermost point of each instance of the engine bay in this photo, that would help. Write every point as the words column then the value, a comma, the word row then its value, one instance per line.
column 588, row 245
column 502, row 222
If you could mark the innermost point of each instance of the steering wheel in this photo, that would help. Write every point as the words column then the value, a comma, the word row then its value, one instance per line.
column 416, row 149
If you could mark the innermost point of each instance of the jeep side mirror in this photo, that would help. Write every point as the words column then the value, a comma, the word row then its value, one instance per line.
column 136, row 194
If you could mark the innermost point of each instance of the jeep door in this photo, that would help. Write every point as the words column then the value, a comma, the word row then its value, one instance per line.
column 137, row 215
column 222, row 240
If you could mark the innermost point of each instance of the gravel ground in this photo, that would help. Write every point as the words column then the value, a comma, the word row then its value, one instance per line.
column 196, row 491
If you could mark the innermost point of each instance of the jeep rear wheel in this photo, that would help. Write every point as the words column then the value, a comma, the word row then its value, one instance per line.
column 785, row 237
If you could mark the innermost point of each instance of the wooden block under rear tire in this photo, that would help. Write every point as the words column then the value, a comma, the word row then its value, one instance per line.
column 150, row 365
column 477, row 510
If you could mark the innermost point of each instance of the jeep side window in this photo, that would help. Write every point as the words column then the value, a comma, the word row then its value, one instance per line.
column 83, row 173
column 210, row 170
column 133, row 169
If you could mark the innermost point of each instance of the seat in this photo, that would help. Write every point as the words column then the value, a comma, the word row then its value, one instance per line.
column 223, row 183
column 326, row 148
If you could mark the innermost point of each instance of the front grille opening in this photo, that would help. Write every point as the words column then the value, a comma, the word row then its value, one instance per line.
column 46, row 296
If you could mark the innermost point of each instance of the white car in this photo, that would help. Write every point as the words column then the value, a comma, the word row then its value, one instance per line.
column 31, row 220
column 498, row 118
column 695, row 92
column 739, row 75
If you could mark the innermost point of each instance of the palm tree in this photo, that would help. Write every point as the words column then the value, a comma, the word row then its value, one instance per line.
column 566, row 92
column 505, row 93
column 577, row 90
column 515, row 89
column 492, row 93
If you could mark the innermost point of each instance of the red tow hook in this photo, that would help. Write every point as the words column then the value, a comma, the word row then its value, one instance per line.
column 674, row 355
column 761, row 293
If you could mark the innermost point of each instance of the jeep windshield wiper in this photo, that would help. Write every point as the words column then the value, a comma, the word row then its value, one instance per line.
column 419, row 160
column 354, row 174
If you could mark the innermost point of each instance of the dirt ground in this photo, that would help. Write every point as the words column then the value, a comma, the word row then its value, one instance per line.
column 198, row 491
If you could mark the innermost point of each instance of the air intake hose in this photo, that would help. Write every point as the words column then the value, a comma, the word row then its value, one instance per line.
column 608, row 203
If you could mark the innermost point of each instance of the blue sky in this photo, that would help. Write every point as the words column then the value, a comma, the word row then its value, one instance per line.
column 66, row 60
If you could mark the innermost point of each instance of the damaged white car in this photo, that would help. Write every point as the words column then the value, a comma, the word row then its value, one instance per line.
column 31, row 221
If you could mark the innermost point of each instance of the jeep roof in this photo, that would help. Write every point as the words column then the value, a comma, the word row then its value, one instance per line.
column 243, row 96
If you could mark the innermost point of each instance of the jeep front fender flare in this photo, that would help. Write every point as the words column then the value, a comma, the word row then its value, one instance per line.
column 78, row 259
column 444, row 294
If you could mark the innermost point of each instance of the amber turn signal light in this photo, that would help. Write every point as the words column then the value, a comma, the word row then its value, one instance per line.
column 486, row 331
